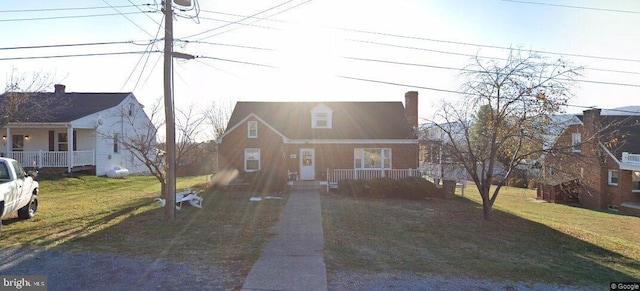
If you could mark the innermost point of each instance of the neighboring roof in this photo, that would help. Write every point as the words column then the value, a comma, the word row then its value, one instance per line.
column 73, row 105
column 350, row 120
column 621, row 134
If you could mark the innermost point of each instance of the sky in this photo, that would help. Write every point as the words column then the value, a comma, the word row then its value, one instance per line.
column 300, row 50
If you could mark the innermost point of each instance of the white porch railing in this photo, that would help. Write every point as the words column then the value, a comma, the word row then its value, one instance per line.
column 336, row 175
column 47, row 159
column 630, row 158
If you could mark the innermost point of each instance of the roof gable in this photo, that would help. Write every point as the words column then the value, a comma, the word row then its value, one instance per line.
column 350, row 120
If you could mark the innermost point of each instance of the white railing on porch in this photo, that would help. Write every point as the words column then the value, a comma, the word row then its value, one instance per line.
column 630, row 158
column 47, row 159
column 336, row 175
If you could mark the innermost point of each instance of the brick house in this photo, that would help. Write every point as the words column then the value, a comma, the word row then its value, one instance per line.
column 602, row 152
column 315, row 141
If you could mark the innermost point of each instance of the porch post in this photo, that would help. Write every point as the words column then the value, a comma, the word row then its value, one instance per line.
column 69, row 148
column 8, row 141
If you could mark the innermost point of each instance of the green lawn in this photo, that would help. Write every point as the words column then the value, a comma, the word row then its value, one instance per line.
column 93, row 214
column 527, row 241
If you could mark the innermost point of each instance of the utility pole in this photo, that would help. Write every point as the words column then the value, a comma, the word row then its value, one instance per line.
column 170, row 190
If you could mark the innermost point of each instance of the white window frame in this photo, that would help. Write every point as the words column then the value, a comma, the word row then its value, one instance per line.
column 321, row 113
column 359, row 158
column 576, row 142
column 635, row 178
column 610, row 177
column 248, row 153
column 252, row 129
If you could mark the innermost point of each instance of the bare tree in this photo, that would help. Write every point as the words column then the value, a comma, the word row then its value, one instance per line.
column 503, row 115
column 217, row 116
column 145, row 145
column 20, row 100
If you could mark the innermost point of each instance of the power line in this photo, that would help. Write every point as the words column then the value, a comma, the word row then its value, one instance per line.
column 234, row 61
column 70, row 8
column 238, row 15
column 76, row 55
column 454, row 91
column 67, row 45
column 488, row 46
column 474, row 56
column 468, row 70
column 574, row 7
column 272, row 15
column 223, row 44
column 232, row 22
column 129, row 19
column 70, row 16
column 238, row 21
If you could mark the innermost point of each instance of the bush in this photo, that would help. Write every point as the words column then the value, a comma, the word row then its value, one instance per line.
column 533, row 184
column 383, row 187
column 265, row 181
column 352, row 188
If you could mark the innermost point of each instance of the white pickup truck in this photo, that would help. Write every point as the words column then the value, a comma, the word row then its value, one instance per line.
column 18, row 191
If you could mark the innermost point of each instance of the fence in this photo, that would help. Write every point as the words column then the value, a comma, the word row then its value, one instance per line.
column 52, row 159
column 336, row 175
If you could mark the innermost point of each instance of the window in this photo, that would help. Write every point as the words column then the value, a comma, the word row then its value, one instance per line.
column 635, row 181
column 576, row 142
column 321, row 116
column 17, row 143
column 131, row 107
column 372, row 158
column 63, row 142
column 321, row 120
column 251, row 160
column 115, row 142
column 20, row 174
column 252, row 129
column 613, row 177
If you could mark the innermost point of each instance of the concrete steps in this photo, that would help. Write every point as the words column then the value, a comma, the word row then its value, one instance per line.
column 306, row 185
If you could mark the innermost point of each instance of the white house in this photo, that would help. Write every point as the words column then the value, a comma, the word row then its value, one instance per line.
column 79, row 131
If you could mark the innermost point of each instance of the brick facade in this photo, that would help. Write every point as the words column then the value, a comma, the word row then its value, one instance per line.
column 591, row 165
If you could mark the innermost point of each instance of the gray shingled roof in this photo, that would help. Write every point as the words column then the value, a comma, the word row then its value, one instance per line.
column 351, row 120
column 71, row 106
column 621, row 133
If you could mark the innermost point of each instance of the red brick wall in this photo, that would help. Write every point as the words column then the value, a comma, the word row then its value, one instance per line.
column 592, row 165
column 231, row 150
column 275, row 155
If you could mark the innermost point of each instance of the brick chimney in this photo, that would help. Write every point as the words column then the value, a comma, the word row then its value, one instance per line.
column 411, row 107
column 59, row 88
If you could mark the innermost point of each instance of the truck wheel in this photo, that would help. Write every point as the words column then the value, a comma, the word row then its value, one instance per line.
column 29, row 210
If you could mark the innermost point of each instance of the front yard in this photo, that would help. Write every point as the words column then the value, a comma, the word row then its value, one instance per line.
column 100, row 215
column 527, row 241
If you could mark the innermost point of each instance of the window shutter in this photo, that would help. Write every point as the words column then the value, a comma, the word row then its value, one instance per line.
column 51, row 141
column 75, row 141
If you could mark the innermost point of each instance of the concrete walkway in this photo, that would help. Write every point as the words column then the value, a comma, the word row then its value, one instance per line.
column 293, row 257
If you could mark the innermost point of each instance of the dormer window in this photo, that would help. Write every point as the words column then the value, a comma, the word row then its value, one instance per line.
column 321, row 117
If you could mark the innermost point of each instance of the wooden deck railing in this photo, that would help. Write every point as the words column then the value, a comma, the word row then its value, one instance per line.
column 52, row 159
column 336, row 175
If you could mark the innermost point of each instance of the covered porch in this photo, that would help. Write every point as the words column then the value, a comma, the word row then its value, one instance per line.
column 49, row 145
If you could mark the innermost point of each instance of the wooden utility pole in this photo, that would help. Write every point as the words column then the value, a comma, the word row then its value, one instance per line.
column 170, row 189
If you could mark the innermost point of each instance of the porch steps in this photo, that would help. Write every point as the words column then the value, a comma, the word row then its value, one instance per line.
column 307, row 185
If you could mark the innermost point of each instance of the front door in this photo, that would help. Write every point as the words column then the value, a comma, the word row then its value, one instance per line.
column 307, row 164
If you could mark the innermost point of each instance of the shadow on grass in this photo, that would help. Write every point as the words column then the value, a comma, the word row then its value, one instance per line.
column 450, row 238
column 228, row 231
